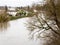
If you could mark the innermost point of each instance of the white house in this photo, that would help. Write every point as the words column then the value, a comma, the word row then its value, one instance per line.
column 12, row 11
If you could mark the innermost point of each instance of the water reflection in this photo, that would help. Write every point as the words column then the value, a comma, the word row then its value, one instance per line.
column 15, row 34
column 4, row 26
column 39, row 28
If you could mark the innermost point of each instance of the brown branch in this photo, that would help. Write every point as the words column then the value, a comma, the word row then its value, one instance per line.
column 54, row 12
column 50, row 27
column 34, row 25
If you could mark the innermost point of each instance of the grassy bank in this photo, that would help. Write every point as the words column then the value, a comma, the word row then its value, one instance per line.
column 17, row 17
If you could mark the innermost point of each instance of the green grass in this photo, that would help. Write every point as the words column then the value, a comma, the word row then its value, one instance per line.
column 14, row 17
column 17, row 17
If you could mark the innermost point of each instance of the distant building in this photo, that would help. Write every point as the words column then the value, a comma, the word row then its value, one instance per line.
column 12, row 11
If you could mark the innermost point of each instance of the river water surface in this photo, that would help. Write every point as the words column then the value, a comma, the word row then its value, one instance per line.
column 15, row 33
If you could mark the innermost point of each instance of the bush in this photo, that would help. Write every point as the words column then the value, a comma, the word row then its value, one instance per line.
column 4, row 17
column 21, row 13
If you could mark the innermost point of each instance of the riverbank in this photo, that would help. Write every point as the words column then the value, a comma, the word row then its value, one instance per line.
column 18, row 17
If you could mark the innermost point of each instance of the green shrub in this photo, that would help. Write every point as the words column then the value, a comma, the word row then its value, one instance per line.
column 21, row 13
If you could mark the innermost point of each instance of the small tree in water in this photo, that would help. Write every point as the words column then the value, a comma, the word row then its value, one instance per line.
column 4, row 17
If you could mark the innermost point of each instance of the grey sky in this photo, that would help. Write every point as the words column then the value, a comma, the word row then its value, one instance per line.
column 17, row 2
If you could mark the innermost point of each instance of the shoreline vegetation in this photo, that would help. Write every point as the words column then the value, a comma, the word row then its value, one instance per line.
column 5, row 17
column 21, row 12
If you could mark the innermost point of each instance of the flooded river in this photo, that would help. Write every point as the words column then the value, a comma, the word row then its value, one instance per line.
column 15, row 33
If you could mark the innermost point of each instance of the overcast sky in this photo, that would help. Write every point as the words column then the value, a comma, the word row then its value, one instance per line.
column 17, row 2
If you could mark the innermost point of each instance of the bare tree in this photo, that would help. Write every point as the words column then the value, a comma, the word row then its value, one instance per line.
column 45, row 23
